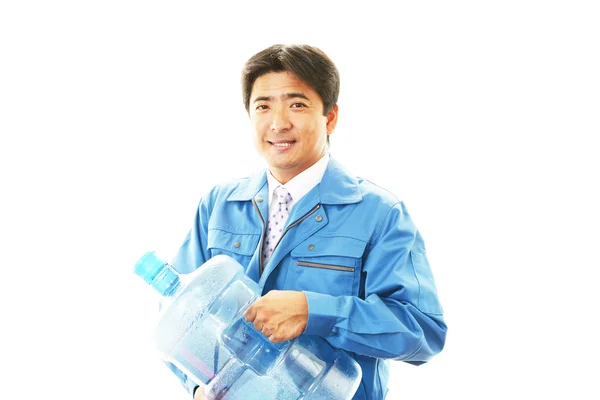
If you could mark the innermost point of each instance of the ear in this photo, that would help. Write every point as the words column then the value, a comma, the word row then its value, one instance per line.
column 332, row 117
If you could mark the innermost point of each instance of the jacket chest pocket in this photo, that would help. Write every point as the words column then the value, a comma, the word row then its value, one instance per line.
column 238, row 246
column 329, row 265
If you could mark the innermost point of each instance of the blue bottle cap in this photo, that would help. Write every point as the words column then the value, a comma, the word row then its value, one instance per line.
column 148, row 266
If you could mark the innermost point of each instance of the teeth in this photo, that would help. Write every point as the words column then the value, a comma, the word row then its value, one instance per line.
column 282, row 144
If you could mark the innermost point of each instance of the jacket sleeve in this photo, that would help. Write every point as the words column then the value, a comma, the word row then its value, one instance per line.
column 194, row 249
column 397, row 314
column 192, row 254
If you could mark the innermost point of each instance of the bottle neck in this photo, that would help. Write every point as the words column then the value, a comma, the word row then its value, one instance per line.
column 166, row 281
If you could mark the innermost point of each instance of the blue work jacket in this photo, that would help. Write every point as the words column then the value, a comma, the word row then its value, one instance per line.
column 354, row 251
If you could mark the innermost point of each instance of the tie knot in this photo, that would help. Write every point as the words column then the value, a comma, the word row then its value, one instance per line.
column 283, row 196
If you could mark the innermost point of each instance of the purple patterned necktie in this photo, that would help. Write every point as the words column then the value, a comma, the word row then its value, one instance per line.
column 277, row 220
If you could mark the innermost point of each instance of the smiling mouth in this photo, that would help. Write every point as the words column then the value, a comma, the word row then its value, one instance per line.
column 281, row 145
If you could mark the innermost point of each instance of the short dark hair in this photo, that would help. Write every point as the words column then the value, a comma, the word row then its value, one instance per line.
column 308, row 63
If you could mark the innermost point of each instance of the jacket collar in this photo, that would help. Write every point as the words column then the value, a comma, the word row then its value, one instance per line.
column 336, row 187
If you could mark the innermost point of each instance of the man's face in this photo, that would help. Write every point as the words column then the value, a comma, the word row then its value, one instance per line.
column 290, row 130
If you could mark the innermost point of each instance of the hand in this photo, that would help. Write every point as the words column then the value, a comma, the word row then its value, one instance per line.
column 199, row 394
column 280, row 315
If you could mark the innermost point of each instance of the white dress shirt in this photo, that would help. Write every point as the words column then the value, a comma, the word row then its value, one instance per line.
column 299, row 185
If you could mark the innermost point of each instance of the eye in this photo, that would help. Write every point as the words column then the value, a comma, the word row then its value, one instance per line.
column 298, row 105
column 262, row 107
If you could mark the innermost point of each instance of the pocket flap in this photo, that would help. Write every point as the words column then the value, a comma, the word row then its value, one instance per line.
column 244, row 244
column 316, row 246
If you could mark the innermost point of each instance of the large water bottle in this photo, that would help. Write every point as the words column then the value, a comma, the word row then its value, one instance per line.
column 202, row 331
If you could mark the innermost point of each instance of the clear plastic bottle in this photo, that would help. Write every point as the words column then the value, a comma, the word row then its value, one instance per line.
column 202, row 331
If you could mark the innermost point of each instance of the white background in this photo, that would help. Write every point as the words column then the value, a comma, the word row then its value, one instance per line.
column 116, row 116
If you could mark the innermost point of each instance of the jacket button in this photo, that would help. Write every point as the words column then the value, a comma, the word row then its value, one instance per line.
column 311, row 246
column 319, row 218
column 259, row 199
column 236, row 244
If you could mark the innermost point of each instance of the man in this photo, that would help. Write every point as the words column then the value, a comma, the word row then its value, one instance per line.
column 337, row 256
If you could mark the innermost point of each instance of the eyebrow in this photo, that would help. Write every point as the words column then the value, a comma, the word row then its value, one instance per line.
column 285, row 96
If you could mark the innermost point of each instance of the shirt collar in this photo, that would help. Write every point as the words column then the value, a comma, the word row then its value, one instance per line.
column 302, row 183
column 337, row 186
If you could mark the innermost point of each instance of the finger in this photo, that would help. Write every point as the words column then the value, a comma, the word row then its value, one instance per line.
column 267, row 330
column 275, row 338
column 250, row 314
column 199, row 395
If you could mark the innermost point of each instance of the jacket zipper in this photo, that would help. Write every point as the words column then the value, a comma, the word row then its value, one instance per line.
column 308, row 214
column 262, row 236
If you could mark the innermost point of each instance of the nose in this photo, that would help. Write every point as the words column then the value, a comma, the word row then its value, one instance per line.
column 281, row 121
